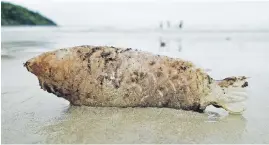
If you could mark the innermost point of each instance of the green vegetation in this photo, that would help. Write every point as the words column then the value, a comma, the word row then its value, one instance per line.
column 16, row 15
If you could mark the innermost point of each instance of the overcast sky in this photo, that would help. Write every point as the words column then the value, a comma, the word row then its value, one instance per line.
column 150, row 13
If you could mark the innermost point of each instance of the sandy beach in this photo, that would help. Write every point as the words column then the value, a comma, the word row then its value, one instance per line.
column 31, row 115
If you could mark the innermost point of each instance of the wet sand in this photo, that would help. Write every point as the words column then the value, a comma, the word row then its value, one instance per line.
column 142, row 125
column 30, row 115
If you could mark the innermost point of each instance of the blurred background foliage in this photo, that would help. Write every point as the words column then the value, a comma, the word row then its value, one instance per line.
column 16, row 15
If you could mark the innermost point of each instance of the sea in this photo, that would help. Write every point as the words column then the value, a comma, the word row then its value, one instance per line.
column 31, row 115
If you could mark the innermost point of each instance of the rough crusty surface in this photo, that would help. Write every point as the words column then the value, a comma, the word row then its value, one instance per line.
column 109, row 76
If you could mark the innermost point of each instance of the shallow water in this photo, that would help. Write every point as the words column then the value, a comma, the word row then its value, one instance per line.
column 30, row 115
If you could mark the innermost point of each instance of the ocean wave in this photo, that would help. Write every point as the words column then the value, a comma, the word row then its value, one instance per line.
column 6, row 56
column 12, row 53
column 24, row 44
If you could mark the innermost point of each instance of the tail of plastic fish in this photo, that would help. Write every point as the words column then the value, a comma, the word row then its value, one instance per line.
column 232, row 94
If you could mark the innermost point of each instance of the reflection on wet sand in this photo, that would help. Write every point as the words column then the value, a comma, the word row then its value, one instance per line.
column 141, row 125
column 165, row 44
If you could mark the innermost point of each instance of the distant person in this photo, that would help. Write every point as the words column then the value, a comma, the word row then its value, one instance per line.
column 181, row 24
